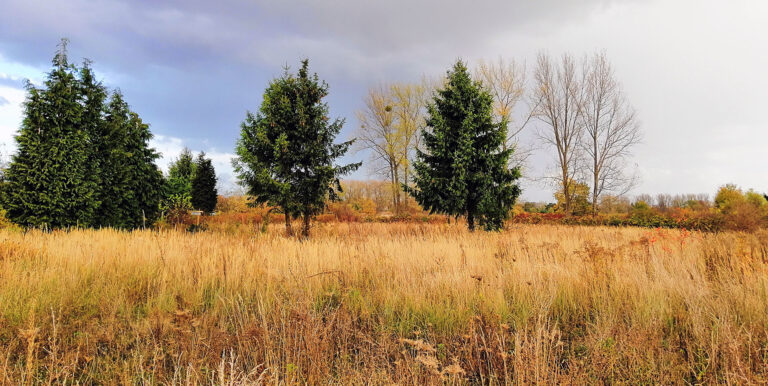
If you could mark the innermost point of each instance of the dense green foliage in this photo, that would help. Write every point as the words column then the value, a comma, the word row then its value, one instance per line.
column 204, row 194
column 463, row 170
column 81, row 161
column 286, row 152
column 48, row 179
column 180, row 174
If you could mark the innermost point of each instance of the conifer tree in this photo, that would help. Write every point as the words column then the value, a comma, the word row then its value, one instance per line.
column 80, row 160
column 48, row 182
column 463, row 169
column 180, row 174
column 94, row 96
column 286, row 152
column 144, row 188
column 204, row 194
column 113, row 158
column 132, row 183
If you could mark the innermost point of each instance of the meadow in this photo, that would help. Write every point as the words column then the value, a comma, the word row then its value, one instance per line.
column 363, row 303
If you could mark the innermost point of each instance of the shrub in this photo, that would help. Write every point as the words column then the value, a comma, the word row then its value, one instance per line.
column 175, row 209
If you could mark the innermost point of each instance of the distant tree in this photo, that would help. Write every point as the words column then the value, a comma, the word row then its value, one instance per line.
column 48, row 181
column 180, row 174
column 410, row 109
column 611, row 129
column 463, row 169
column 184, row 167
column 204, row 194
column 559, row 96
column 378, row 134
column 389, row 129
column 286, row 152
column 728, row 196
column 579, row 199
column 505, row 80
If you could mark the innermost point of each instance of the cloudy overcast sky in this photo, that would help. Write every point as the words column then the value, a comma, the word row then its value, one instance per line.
column 696, row 70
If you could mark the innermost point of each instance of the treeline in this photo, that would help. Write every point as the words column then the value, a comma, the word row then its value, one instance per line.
column 584, row 120
column 731, row 209
column 450, row 146
column 83, row 158
column 461, row 168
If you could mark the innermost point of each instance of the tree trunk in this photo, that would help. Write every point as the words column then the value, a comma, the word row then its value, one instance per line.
column 288, row 228
column 305, row 228
column 393, row 181
column 595, row 174
column 396, row 189
column 471, row 221
column 594, row 194
column 566, row 190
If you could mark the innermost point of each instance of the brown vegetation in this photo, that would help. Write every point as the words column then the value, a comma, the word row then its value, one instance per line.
column 381, row 303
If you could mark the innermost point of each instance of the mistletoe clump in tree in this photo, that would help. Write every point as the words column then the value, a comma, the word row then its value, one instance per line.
column 286, row 152
column 204, row 194
column 463, row 169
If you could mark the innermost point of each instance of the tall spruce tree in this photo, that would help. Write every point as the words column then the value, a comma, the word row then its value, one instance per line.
column 94, row 96
column 204, row 194
column 48, row 180
column 80, row 160
column 131, row 182
column 113, row 158
column 144, row 188
column 463, row 169
column 286, row 152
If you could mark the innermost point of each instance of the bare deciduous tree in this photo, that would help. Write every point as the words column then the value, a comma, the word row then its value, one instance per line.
column 409, row 104
column 611, row 129
column 378, row 134
column 389, row 127
column 558, row 97
column 506, row 82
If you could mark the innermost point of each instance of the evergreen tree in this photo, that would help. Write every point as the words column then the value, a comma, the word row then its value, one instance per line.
column 48, row 181
column 204, row 194
column 132, row 183
column 286, row 152
column 94, row 96
column 113, row 158
column 80, row 160
column 463, row 170
column 180, row 174
column 184, row 166
column 144, row 188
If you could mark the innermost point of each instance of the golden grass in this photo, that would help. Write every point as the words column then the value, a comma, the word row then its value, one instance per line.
column 383, row 303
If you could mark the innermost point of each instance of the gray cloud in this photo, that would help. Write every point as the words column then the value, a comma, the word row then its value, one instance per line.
column 192, row 67
column 8, row 81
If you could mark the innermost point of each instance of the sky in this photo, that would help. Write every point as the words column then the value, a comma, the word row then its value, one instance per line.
column 696, row 71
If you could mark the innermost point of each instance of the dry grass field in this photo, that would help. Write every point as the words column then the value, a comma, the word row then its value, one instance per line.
column 384, row 303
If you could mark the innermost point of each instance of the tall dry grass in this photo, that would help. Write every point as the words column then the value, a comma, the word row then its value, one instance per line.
column 382, row 303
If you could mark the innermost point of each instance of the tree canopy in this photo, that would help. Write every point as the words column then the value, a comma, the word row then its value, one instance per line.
column 463, row 170
column 81, row 161
column 204, row 194
column 286, row 152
